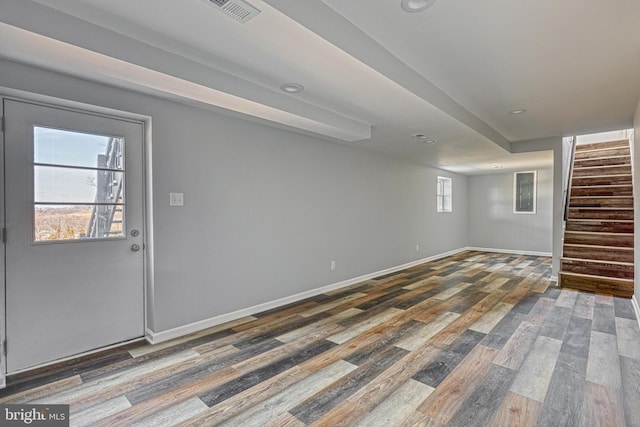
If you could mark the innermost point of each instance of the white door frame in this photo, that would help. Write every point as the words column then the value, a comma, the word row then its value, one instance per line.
column 147, row 205
column 3, row 317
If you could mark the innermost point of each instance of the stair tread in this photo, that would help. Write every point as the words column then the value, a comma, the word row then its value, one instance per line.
column 601, row 186
column 615, row 175
column 619, row 151
column 602, row 152
column 615, row 248
column 625, row 221
column 568, row 273
column 606, row 208
column 608, row 180
column 606, row 161
column 595, row 146
column 602, row 197
column 628, row 264
column 604, row 145
column 606, row 157
column 599, row 233
column 600, row 180
column 600, row 166
column 603, row 175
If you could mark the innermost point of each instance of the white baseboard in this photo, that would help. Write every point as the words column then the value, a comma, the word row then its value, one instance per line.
column 509, row 251
column 636, row 308
column 74, row 356
column 158, row 337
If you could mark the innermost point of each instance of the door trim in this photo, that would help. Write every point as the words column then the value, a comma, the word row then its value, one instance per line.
column 3, row 317
column 147, row 204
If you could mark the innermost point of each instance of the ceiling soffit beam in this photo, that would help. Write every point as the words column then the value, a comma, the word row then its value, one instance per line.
column 540, row 144
column 44, row 52
column 53, row 24
column 343, row 34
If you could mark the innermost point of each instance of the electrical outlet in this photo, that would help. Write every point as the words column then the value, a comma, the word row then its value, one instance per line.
column 417, row 247
column 333, row 265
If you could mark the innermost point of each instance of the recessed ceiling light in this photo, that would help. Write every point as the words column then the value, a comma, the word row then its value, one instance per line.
column 292, row 87
column 424, row 138
column 518, row 111
column 413, row 6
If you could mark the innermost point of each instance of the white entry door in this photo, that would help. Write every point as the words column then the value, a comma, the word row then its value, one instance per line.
column 74, row 232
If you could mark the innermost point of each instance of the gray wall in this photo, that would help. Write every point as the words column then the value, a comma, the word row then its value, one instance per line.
column 492, row 223
column 266, row 210
column 554, row 145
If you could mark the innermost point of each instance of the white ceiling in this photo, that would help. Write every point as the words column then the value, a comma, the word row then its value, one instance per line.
column 373, row 74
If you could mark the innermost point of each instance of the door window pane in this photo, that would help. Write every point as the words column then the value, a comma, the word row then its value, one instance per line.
column 73, row 222
column 78, row 186
column 66, row 185
column 524, row 192
column 67, row 148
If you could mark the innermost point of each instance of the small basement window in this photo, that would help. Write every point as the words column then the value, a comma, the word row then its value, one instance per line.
column 524, row 192
column 443, row 194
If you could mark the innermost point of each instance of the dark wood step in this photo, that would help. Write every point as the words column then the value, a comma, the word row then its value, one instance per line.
column 619, row 270
column 604, row 285
column 601, row 202
column 604, row 144
column 600, row 213
column 602, row 161
column 618, row 240
column 603, row 190
column 602, row 170
column 607, row 152
column 604, row 253
column 601, row 180
column 602, row 226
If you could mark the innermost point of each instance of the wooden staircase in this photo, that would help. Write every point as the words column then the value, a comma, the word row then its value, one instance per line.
column 598, row 238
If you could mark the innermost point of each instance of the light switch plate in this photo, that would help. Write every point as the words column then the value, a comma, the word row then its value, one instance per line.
column 176, row 199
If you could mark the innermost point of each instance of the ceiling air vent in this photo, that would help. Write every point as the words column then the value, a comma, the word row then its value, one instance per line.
column 239, row 10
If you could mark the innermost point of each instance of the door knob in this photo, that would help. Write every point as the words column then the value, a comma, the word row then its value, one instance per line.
column 135, row 247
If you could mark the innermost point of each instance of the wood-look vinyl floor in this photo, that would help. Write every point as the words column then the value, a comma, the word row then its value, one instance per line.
column 475, row 339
